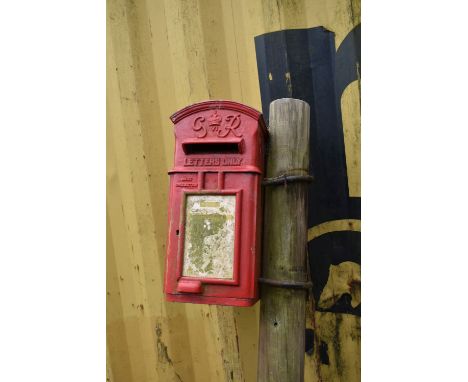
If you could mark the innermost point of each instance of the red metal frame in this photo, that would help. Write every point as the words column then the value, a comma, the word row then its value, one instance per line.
column 237, row 234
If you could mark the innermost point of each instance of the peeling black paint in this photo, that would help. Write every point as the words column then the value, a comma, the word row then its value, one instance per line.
column 333, row 248
column 163, row 356
column 309, row 341
column 303, row 64
column 323, row 353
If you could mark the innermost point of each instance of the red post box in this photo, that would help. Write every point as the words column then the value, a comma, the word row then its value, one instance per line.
column 214, row 238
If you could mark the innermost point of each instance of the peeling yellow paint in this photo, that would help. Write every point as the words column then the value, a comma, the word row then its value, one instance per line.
column 343, row 278
column 332, row 226
column 351, row 114
column 339, row 335
column 287, row 76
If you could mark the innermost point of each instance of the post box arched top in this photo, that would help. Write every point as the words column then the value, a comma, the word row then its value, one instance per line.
column 215, row 204
column 220, row 105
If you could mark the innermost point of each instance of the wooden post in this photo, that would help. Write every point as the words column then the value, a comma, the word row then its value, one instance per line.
column 282, row 310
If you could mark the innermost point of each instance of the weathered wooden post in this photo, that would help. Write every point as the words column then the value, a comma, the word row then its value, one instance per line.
column 284, row 270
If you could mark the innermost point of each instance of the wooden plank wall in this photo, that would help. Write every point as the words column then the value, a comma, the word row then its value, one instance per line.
column 163, row 55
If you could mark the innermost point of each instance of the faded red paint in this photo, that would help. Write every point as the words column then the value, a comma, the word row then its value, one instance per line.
column 219, row 150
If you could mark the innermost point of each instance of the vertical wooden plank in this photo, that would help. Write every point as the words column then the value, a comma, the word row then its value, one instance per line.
column 282, row 311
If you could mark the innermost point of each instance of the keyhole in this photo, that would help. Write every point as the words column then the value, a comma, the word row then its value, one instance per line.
column 177, row 232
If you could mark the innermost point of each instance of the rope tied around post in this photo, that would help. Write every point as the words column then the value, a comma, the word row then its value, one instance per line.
column 291, row 284
column 286, row 284
column 284, row 179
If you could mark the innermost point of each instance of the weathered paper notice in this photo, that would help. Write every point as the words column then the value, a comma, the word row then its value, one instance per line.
column 209, row 236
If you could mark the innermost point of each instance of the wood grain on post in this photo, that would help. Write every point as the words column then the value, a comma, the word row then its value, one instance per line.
column 282, row 310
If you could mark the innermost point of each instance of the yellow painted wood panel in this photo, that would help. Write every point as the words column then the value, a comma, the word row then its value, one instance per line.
column 163, row 55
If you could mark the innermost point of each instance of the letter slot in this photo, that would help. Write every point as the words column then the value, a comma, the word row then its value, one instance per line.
column 212, row 147
column 215, row 200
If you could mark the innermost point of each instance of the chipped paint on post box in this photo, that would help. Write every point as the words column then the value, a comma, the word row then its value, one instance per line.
column 214, row 237
column 209, row 236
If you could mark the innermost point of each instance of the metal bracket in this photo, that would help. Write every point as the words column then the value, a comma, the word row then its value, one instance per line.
column 285, row 179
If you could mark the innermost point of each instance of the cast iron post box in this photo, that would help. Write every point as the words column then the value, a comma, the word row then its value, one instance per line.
column 215, row 214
